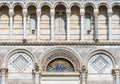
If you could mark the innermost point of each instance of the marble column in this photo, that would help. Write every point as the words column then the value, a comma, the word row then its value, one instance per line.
column 96, row 25
column 116, row 75
column 11, row 13
column 24, row 23
column 68, row 12
column 38, row 23
column 82, row 13
column 52, row 12
column 83, row 75
column 3, row 73
column 109, row 24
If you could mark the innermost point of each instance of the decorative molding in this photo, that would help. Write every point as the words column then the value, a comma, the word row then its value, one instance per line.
column 59, row 43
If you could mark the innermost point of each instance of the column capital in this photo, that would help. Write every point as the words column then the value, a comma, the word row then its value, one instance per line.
column 24, row 11
column 52, row 12
column 96, row 12
column 82, row 12
column 110, row 12
column 11, row 12
column 116, row 72
column 4, row 70
column 38, row 11
column 36, row 69
column 68, row 11
column 83, row 71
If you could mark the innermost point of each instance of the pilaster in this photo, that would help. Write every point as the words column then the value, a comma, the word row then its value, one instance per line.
column 4, row 72
column 83, row 75
column 116, row 75
column 36, row 73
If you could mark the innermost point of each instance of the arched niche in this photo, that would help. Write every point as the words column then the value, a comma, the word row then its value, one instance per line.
column 60, row 58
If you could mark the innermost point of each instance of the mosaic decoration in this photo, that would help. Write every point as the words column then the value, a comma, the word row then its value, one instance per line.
column 63, row 56
column 60, row 65
column 100, row 63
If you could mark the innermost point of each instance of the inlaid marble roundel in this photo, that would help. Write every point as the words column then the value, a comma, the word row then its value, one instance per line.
column 20, row 62
column 100, row 63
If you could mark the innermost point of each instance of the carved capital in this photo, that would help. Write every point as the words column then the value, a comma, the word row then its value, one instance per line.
column 96, row 12
column 24, row 11
column 68, row 11
column 36, row 70
column 82, row 12
column 83, row 71
column 11, row 12
column 116, row 72
column 38, row 12
column 52, row 12
column 4, row 71
column 110, row 12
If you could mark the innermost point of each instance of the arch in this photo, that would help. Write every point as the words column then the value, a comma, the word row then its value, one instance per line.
column 45, row 3
column 14, row 51
column 44, row 56
column 75, row 4
column 6, row 4
column 31, row 4
column 115, row 4
column 57, row 3
column 100, row 51
column 103, row 4
column 18, row 3
column 89, row 4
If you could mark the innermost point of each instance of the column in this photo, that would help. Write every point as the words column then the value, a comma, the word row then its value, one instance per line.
column 68, row 24
column 11, row 13
column 36, row 73
column 82, row 13
column 3, row 73
column 96, row 25
column 116, row 75
column 38, row 23
column 24, row 23
column 52, row 23
column 109, row 24
column 83, row 74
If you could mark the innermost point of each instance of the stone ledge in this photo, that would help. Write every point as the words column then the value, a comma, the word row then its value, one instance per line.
column 58, row 43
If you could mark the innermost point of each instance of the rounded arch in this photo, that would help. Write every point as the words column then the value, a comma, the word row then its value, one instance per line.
column 115, row 4
column 103, row 52
column 89, row 4
column 31, row 4
column 18, row 3
column 103, row 4
column 6, row 4
column 19, row 50
column 57, row 3
column 44, row 55
column 75, row 4
column 45, row 3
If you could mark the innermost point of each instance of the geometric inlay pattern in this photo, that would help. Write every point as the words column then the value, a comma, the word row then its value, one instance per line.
column 20, row 62
column 100, row 63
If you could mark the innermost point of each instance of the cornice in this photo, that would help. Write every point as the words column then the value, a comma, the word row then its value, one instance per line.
column 60, row 44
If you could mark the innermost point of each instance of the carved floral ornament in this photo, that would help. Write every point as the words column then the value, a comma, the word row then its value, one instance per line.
column 60, row 61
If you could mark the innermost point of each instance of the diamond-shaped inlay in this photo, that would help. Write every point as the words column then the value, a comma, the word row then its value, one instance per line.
column 20, row 62
column 100, row 63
